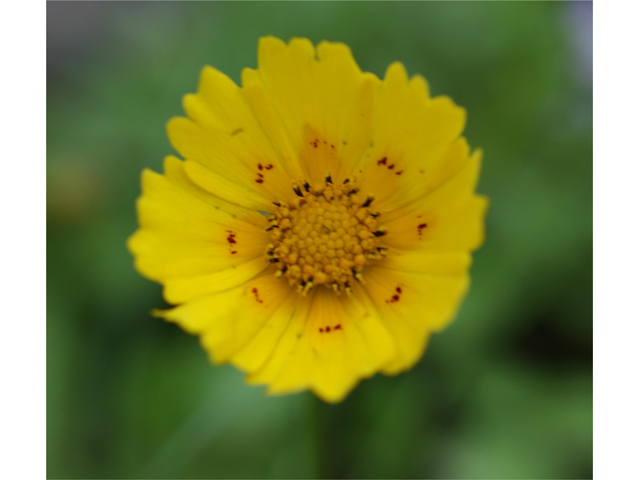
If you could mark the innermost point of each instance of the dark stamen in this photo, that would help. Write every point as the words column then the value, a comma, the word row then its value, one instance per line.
column 379, row 233
column 274, row 260
column 272, row 227
column 368, row 202
column 328, row 178
column 277, row 204
column 306, row 185
column 297, row 190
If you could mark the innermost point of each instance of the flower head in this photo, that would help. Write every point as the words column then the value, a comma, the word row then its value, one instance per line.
column 320, row 224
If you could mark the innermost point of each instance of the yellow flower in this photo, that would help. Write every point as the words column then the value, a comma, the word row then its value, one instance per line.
column 319, row 228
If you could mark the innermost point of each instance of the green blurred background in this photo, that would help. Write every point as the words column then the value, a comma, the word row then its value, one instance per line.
column 505, row 392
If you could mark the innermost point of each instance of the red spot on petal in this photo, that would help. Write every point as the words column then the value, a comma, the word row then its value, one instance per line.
column 396, row 297
column 390, row 167
column 259, row 180
column 260, row 175
column 382, row 161
column 269, row 167
column 259, row 166
column 231, row 239
column 420, row 227
column 254, row 290
column 338, row 327
column 399, row 172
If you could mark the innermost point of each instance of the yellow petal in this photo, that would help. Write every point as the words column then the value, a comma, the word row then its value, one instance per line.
column 413, row 303
column 449, row 218
column 245, row 176
column 410, row 135
column 188, row 237
column 228, row 320
column 337, row 343
column 224, row 136
column 255, row 354
column 182, row 289
column 318, row 98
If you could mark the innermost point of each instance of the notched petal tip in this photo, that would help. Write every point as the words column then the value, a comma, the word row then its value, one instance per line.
column 420, row 86
column 211, row 78
column 328, row 49
column 270, row 41
column 191, row 103
column 133, row 245
column 333, row 398
column 249, row 76
column 176, row 127
column 451, row 112
column 475, row 166
column 146, row 176
column 340, row 52
column 484, row 203
column 268, row 47
column 302, row 46
column 396, row 72
column 328, row 396
column 370, row 80
column 151, row 181
column 478, row 153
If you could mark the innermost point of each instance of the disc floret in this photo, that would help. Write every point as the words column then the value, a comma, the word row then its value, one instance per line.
column 324, row 235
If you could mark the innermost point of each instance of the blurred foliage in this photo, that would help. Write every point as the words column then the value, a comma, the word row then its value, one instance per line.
column 505, row 392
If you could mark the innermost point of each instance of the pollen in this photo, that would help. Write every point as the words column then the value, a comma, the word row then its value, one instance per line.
column 325, row 234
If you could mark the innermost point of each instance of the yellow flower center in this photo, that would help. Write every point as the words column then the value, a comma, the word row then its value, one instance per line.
column 326, row 234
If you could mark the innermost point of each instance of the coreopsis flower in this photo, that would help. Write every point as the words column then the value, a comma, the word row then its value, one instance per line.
column 319, row 225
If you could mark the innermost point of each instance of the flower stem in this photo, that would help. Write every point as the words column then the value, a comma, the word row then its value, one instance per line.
column 318, row 424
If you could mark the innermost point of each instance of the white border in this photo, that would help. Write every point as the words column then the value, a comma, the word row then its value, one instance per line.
column 616, row 238
column 23, row 257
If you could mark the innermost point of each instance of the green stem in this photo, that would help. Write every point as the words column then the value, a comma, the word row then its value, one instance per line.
column 318, row 428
